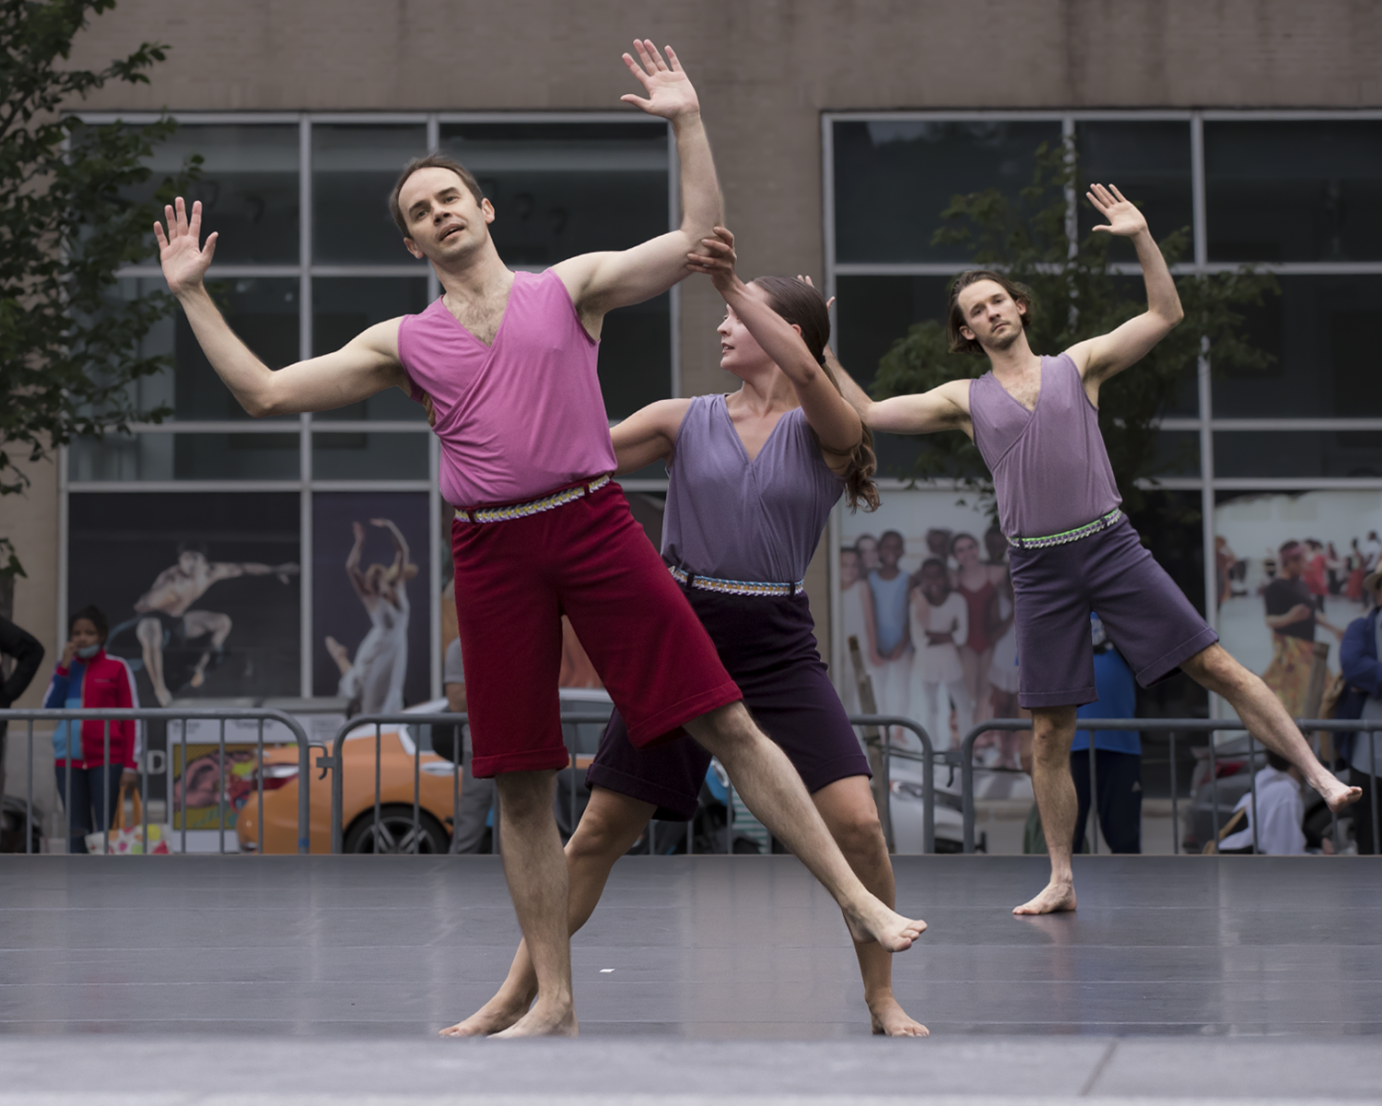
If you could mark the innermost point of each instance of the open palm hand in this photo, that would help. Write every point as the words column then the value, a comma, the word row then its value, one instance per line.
column 670, row 92
column 1124, row 219
column 183, row 258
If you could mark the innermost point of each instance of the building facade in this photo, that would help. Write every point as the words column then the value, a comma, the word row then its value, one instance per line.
column 840, row 130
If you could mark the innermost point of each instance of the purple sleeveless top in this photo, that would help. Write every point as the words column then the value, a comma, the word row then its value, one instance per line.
column 737, row 519
column 1050, row 469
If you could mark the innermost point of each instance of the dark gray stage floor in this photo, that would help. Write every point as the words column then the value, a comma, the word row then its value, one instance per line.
column 744, row 948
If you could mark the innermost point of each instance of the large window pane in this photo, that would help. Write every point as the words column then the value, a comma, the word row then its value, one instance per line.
column 561, row 189
column 894, row 178
column 351, row 456
column 1322, row 333
column 1150, row 164
column 248, row 188
column 263, row 311
column 353, row 171
column 1294, row 191
column 635, row 356
column 186, row 457
column 1298, row 453
column 344, row 306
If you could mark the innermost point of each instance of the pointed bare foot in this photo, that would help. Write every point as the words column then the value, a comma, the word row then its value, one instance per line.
column 890, row 1020
column 889, row 928
column 543, row 1021
column 338, row 653
column 1056, row 897
column 495, row 1016
column 1340, row 795
column 198, row 678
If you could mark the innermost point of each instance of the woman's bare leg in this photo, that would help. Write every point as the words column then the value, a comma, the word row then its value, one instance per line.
column 607, row 830
column 849, row 812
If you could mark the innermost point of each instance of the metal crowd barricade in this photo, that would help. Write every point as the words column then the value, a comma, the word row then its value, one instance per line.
column 334, row 764
column 170, row 714
column 928, row 771
column 1308, row 726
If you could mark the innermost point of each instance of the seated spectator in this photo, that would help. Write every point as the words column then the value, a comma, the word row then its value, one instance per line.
column 1280, row 813
column 1362, row 698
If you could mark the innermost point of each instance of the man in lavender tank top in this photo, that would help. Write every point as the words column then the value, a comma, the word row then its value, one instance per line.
column 506, row 364
column 1035, row 420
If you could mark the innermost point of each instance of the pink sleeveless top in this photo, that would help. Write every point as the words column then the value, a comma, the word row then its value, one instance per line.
column 520, row 417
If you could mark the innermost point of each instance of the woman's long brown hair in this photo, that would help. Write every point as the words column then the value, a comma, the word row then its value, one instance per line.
column 803, row 306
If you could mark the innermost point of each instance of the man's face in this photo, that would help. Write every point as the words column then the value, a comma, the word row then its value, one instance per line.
column 890, row 550
column 991, row 316
column 190, row 562
column 1293, row 562
column 444, row 220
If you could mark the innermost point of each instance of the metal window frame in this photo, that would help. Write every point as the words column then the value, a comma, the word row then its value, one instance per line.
column 305, row 426
column 1207, row 483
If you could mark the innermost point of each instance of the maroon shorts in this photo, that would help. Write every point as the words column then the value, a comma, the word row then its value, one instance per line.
column 587, row 559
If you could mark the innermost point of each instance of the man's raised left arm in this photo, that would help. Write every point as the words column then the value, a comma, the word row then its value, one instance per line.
column 600, row 282
column 1102, row 357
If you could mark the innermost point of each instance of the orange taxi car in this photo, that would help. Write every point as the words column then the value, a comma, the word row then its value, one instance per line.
column 395, row 833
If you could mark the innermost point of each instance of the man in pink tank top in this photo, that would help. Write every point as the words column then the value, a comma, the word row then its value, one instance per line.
column 1035, row 420
column 506, row 362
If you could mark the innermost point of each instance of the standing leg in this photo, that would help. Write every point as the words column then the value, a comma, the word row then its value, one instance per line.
column 1053, row 729
column 76, row 804
column 536, row 872
column 1266, row 719
column 607, row 830
column 850, row 814
column 773, row 791
column 1120, row 800
column 149, row 631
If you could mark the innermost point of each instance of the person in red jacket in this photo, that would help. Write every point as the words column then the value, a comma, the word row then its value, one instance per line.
column 89, row 678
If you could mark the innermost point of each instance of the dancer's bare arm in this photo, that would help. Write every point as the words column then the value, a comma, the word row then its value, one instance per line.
column 836, row 423
column 1102, row 357
column 943, row 408
column 365, row 366
column 400, row 543
column 600, row 282
column 648, row 435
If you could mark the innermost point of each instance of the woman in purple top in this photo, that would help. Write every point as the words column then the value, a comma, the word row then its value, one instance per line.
column 753, row 478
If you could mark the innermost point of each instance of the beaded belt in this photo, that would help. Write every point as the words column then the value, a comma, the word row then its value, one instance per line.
column 1101, row 523
column 536, row 507
column 735, row 587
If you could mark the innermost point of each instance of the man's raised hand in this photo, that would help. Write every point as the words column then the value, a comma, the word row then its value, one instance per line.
column 1123, row 217
column 670, row 93
column 183, row 258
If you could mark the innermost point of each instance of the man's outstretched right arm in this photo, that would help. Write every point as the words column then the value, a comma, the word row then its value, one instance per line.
column 942, row 408
column 365, row 366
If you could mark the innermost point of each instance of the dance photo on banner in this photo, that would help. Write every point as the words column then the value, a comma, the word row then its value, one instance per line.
column 201, row 589
column 371, row 631
column 1289, row 577
column 924, row 589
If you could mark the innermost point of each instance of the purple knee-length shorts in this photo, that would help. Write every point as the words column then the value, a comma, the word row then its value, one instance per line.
column 1147, row 617
column 768, row 646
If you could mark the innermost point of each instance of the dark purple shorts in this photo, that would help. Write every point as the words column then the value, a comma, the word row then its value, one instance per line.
column 768, row 646
column 1147, row 617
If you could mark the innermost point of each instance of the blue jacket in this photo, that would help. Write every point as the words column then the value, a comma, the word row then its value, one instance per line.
column 1361, row 669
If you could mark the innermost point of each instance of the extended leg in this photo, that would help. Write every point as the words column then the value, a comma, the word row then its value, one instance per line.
column 1053, row 729
column 1266, row 719
column 773, row 791
column 849, row 812
column 149, row 631
column 536, row 872
column 200, row 623
column 607, row 830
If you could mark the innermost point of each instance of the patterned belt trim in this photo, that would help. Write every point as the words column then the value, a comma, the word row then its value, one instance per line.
column 1101, row 523
column 735, row 587
column 536, row 507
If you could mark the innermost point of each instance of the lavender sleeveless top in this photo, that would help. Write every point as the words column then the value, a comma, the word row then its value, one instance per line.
column 1050, row 469
column 520, row 417
column 737, row 519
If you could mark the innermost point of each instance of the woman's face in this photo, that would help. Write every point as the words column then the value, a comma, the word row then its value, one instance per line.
column 849, row 569
column 84, row 634
column 868, row 554
column 966, row 552
column 740, row 352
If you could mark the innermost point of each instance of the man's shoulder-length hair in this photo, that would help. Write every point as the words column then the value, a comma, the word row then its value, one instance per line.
column 954, row 319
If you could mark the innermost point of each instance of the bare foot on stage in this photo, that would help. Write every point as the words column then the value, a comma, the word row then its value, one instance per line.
column 889, row 928
column 1055, row 898
column 890, row 1020
column 495, row 1016
column 1341, row 795
column 539, row 1022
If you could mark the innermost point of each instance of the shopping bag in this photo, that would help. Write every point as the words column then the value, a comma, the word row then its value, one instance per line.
column 129, row 840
